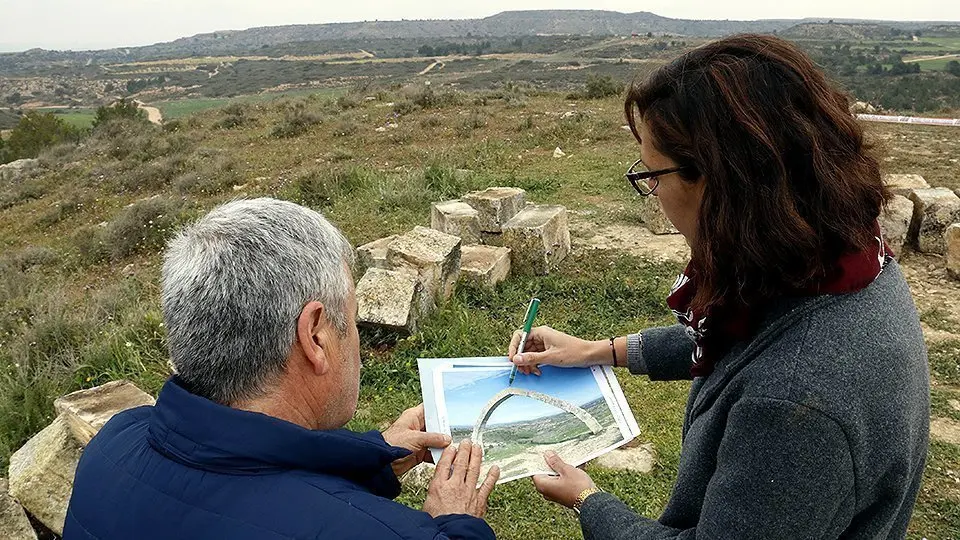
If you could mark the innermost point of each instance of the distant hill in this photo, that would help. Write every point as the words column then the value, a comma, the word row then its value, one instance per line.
column 506, row 24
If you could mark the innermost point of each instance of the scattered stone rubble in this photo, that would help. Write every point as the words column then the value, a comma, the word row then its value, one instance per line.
column 41, row 472
column 479, row 238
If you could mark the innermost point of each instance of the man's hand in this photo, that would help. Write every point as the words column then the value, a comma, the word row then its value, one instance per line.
column 563, row 489
column 453, row 489
column 408, row 432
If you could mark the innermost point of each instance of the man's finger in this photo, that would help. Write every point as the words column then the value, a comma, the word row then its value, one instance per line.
column 490, row 482
column 473, row 469
column 462, row 460
column 446, row 461
column 417, row 414
column 422, row 439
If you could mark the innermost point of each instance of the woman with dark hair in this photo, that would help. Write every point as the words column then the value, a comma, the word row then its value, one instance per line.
column 808, row 415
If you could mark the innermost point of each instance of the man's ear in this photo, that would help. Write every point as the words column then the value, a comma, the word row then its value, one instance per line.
column 312, row 337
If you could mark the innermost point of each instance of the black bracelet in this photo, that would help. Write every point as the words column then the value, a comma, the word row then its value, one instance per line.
column 614, row 349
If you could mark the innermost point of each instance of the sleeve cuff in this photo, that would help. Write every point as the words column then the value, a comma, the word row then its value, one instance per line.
column 635, row 355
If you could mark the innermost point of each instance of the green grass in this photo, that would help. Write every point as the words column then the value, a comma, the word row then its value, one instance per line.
column 80, row 118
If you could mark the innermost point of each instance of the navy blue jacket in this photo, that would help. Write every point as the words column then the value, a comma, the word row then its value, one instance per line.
column 190, row 468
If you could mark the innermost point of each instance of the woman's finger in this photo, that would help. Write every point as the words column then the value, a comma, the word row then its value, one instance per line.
column 514, row 343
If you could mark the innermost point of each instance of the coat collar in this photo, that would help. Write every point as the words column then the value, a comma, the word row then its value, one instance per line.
column 206, row 435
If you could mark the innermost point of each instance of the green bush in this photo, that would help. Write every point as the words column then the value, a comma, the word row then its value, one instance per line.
column 602, row 86
column 296, row 121
column 142, row 227
column 121, row 110
column 36, row 132
column 321, row 188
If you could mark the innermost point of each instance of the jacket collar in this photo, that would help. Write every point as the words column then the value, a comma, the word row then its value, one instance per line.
column 206, row 435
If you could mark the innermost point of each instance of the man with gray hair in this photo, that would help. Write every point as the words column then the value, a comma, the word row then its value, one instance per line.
column 246, row 439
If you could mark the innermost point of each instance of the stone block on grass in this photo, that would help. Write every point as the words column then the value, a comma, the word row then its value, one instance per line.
column 496, row 206
column 14, row 523
column 933, row 211
column 484, row 265
column 42, row 471
column 374, row 254
column 903, row 184
column 86, row 411
column 389, row 299
column 538, row 237
column 433, row 256
column 456, row 218
column 895, row 222
column 653, row 217
column 952, row 239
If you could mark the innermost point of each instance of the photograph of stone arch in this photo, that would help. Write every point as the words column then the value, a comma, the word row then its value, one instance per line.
column 574, row 412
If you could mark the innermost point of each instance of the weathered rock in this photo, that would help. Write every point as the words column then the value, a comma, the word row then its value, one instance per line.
column 13, row 171
column 374, row 254
column 14, row 524
column 456, row 218
column 419, row 477
column 539, row 238
column 903, row 184
column 389, row 299
column 652, row 216
column 895, row 222
column 496, row 206
column 934, row 210
column 86, row 411
column 433, row 256
column 484, row 265
column 952, row 240
column 639, row 459
column 945, row 430
column 41, row 473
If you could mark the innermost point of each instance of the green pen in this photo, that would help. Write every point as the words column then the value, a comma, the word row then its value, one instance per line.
column 527, row 326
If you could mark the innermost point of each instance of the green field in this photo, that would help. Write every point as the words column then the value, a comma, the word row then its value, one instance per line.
column 80, row 118
column 939, row 64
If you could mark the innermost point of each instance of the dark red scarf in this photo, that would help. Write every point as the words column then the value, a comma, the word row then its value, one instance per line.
column 715, row 331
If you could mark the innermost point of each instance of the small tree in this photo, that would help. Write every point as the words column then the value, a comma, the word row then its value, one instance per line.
column 601, row 86
column 36, row 131
column 953, row 68
column 120, row 110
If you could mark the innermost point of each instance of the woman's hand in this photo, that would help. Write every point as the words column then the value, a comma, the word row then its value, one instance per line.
column 563, row 489
column 453, row 489
column 548, row 346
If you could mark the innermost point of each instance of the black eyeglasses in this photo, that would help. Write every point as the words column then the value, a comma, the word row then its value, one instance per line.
column 639, row 177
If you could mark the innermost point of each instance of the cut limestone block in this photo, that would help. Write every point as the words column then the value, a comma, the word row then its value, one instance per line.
column 496, row 206
column 433, row 256
column 87, row 411
column 934, row 210
column 539, row 238
column 895, row 222
column 41, row 473
column 485, row 265
column 457, row 218
column 903, row 184
column 639, row 459
column 389, row 299
column 374, row 254
column 14, row 524
column 652, row 216
column 952, row 240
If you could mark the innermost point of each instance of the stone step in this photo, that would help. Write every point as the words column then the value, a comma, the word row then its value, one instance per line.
column 86, row 411
column 456, row 218
column 538, row 237
column 934, row 210
column 389, row 299
column 484, row 265
column 496, row 206
column 433, row 256
column 374, row 254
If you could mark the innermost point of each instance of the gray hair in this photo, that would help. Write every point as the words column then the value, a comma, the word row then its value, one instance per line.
column 234, row 285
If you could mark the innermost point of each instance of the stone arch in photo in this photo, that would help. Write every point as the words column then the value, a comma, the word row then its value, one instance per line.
column 507, row 393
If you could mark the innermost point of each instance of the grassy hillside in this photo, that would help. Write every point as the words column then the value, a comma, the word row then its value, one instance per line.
column 80, row 243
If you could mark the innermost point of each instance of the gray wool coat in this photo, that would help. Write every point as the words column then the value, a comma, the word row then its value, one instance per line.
column 815, row 428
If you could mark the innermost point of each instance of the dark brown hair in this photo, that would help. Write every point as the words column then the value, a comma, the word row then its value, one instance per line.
column 790, row 183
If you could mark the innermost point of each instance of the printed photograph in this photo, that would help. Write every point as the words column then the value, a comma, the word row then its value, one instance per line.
column 563, row 410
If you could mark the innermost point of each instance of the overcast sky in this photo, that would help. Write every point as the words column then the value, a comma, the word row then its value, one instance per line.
column 94, row 24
